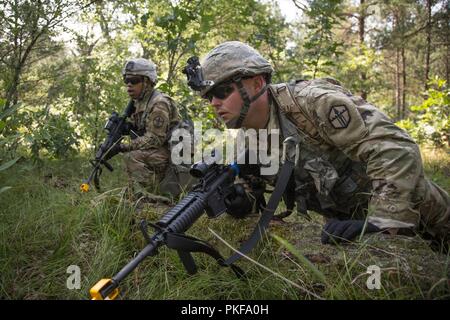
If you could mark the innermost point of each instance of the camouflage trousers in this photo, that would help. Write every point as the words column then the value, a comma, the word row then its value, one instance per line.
column 435, row 211
column 146, row 169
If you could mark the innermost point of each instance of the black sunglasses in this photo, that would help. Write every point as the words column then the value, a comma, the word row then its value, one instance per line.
column 132, row 80
column 222, row 91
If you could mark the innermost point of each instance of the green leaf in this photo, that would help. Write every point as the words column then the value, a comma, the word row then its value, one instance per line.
column 4, row 189
column 8, row 164
column 9, row 111
column 319, row 275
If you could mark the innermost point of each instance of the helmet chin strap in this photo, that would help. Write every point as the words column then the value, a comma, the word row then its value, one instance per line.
column 145, row 86
column 236, row 123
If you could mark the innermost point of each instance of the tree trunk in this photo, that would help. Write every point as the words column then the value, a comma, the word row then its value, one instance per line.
column 447, row 66
column 86, row 50
column 447, row 62
column 403, row 86
column 428, row 47
column 397, row 84
column 361, row 23
column 12, row 93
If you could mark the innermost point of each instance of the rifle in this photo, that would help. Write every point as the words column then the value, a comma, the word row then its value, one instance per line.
column 215, row 185
column 117, row 127
column 208, row 195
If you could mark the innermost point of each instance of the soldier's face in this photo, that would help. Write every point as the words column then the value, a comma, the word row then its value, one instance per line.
column 230, row 106
column 135, row 85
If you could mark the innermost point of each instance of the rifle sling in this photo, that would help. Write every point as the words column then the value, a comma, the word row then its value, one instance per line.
column 97, row 175
column 287, row 130
column 263, row 223
column 186, row 244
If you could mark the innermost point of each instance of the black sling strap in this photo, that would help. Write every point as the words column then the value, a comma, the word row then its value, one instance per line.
column 290, row 156
column 186, row 244
column 263, row 223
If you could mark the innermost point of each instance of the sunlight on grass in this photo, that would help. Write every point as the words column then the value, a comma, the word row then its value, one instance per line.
column 48, row 225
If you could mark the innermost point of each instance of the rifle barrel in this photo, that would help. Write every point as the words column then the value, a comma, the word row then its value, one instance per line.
column 126, row 270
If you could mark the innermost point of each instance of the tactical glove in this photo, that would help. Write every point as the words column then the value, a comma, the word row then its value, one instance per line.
column 336, row 231
column 238, row 202
column 117, row 148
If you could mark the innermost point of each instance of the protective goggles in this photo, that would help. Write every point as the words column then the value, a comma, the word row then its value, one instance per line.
column 221, row 91
column 133, row 80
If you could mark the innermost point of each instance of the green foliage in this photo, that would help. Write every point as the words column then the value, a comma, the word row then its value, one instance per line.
column 321, row 46
column 168, row 31
column 51, row 134
column 5, row 166
column 3, row 115
column 8, row 164
column 430, row 121
column 27, row 28
column 40, row 69
column 65, row 90
column 355, row 61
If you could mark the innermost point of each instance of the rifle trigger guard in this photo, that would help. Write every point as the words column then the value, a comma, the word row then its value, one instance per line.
column 288, row 144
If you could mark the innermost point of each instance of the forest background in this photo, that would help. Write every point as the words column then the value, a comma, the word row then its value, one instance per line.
column 60, row 79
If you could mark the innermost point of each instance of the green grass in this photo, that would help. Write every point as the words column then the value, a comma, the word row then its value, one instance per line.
column 46, row 225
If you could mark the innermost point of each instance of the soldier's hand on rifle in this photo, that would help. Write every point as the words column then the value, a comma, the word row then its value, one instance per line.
column 238, row 203
column 336, row 231
column 243, row 201
column 117, row 148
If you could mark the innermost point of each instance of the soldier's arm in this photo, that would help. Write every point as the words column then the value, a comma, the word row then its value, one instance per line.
column 156, row 127
column 393, row 160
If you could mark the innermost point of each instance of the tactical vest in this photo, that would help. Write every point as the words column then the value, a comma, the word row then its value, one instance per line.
column 149, row 105
column 325, row 179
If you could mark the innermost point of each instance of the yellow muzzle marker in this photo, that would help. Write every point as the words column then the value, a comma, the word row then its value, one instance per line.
column 105, row 289
column 84, row 187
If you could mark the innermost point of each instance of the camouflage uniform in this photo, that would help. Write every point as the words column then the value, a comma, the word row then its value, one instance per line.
column 354, row 161
column 147, row 155
column 353, row 158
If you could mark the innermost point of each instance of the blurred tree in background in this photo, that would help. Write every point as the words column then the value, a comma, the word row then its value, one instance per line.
column 60, row 60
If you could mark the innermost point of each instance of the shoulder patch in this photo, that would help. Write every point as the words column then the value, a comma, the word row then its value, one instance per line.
column 339, row 117
column 158, row 122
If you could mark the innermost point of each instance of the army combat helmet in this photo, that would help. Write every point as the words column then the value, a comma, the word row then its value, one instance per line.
column 234, row 60
column 140, row 67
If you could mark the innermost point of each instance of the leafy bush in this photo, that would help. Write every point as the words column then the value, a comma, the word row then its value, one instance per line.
column 429, row 122
column 52, row 134
column 5, row 113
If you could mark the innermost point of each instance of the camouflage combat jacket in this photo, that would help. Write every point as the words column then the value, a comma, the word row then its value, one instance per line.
column 354, row 160
column 155, row 113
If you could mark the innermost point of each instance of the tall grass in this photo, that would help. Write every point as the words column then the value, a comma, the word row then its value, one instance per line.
column 46, row 225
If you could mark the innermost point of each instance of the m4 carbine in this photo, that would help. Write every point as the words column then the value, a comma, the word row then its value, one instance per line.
column 215, row 184
column 117, row 127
